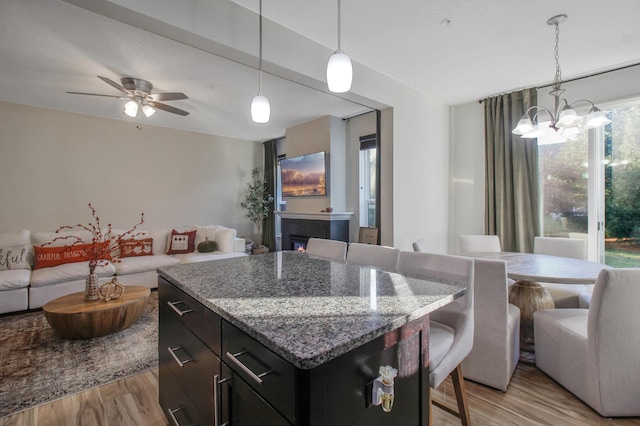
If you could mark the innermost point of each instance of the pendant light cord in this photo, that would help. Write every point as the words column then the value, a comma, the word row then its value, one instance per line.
column 260, row 57
column 339, row 45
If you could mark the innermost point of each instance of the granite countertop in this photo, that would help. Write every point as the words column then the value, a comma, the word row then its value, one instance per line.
column 306, row 309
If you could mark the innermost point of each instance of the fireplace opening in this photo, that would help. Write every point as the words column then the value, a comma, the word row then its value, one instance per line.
column 299, row 243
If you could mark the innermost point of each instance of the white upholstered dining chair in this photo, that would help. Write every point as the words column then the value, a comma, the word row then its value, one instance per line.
column 479, row 243
column 382, row 257
column 496, row 335
column 421, row 245
column 331, row 249
column 451, row 327
column 563, row 247
column 564, row 295
column 594, row 352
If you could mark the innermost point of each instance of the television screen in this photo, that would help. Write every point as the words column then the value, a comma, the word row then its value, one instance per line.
column 304, row 176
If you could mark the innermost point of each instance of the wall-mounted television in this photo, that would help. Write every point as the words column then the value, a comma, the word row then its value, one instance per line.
column 304, row 176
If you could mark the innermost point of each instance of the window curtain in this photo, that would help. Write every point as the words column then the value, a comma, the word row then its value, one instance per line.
column 270, row 167
column 512, row 189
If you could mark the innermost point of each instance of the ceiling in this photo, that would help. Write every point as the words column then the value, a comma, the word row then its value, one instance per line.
column 455, row 50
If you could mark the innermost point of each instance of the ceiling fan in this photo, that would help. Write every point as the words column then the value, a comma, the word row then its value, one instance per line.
column 138, row 92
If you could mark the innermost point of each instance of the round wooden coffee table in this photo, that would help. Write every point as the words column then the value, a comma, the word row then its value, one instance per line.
column 74, row 318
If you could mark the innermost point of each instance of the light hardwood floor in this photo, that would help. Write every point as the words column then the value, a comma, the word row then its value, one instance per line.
column 532, row 399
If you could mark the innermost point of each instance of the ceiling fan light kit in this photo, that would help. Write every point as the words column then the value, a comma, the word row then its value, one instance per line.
column 138, row 93
column 565, row 116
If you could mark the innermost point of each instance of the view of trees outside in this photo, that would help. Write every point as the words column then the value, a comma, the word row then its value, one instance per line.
column 622, row 188
column 563, row 182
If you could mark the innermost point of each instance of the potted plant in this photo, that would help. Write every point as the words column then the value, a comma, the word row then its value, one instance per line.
column 257, row 204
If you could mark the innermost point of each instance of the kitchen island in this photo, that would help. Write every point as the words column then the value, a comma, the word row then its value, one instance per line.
column 290, row 339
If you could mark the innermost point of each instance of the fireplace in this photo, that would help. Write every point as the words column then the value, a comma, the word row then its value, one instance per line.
column 297, row 228
column 298, row 243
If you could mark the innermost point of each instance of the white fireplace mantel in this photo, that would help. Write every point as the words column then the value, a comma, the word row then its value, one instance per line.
column 315, row 215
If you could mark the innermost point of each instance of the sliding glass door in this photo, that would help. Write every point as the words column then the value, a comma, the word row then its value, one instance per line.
column 590, row 185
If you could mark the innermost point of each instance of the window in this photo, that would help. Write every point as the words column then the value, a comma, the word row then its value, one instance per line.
column 368, row 166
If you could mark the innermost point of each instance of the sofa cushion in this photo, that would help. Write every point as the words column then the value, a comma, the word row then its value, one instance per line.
column 133, row 247
column 68, row 272
column 134, row 265
column 59, row 239
column 225, row 238
column 206, row 232
column 15, row 278
column 160, row 237
column 15, row 257
column 15, row 238
column 204, row 257
column 181, row 242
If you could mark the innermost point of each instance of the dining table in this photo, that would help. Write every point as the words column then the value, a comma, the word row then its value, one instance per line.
column 528, row 270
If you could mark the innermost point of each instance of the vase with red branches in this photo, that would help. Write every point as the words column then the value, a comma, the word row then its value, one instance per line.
column 99, row 250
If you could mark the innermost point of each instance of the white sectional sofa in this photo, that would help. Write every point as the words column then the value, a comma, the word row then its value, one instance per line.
column 24, row 285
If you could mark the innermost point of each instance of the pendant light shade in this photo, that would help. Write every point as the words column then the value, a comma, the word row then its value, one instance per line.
column 339, row 72
column 339, row 69
column 260, row 109
column 148, row 110
column 131, row 109
column 596, row 118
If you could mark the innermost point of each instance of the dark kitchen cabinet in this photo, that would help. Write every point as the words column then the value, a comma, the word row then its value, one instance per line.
column 213, row 373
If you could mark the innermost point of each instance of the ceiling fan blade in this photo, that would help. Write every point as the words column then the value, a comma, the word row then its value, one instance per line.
column 98, row 94
column 168, row 96
column 116, row 85
column 168, row 108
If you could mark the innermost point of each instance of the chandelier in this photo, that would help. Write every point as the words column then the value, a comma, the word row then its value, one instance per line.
column 565, row 116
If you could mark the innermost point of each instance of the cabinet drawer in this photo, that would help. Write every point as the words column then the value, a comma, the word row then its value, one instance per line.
column 176, row 406
column 244, row 407
column 189, row 360
column 201, row 321
column 272, row 377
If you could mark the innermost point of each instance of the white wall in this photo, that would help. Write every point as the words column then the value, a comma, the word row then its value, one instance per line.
column 53, row 163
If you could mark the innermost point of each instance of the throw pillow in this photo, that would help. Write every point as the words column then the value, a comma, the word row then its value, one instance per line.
column 54, row 256
column 132, row 247
column 207, row 246
column 15, row 257
column 59, row 255
column 182, row 242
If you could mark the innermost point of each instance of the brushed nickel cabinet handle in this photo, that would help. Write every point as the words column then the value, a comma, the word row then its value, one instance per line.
column 216, row 400
column 172, row 305
column 173, row 354
column 254, row 376
column 173, row 417
column 216, row 411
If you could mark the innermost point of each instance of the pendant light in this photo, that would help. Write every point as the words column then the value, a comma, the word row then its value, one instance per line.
column 260, row 108
column 339, row 69
column 565, row 116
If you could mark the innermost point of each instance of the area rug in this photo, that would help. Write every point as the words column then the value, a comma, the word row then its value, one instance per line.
column 37, row 366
